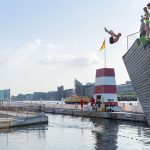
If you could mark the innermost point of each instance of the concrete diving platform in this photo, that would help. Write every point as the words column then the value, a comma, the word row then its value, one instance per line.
column 8, row 120
column 137, row 62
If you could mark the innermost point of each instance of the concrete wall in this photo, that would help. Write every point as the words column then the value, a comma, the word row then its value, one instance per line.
column 109, row 115
column 131, row 107
column 137, row 62
column 22, row 121
column 4, row 124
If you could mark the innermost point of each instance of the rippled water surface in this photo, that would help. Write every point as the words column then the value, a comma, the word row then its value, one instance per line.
column 76, row 133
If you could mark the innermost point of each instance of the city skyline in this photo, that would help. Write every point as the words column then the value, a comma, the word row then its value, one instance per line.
column 47, row 44
column 65, row 89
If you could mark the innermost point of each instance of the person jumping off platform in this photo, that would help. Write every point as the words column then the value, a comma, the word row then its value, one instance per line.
column 114, row 37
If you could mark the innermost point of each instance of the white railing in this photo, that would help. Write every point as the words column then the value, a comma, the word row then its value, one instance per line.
column 132, row 37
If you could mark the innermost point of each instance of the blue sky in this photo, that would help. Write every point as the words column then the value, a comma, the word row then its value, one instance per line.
column 48, row 43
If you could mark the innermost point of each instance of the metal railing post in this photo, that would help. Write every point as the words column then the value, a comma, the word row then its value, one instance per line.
column 127, row 43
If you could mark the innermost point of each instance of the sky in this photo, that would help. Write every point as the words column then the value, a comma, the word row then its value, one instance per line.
column 48, row 43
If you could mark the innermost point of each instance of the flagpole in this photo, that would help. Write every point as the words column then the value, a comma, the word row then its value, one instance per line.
column 105, row 55
column 103, row 47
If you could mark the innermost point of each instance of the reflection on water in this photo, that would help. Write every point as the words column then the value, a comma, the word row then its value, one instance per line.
column 76, row 133
column 107, row 139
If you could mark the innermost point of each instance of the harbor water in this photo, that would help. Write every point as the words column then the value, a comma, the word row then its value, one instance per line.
column 77, row 133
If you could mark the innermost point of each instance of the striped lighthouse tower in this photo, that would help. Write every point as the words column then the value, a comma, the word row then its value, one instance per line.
column 105, row 86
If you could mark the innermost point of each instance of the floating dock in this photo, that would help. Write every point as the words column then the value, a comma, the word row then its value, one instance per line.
column 8, row 120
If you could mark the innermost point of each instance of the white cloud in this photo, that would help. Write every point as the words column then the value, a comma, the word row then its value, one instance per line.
column 77, row 60
column 49, row 45
column 26, row 54
column 41, row 53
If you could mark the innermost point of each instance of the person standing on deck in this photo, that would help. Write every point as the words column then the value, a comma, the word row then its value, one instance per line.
column 147, row 21
column 92, row 100
column 82, row 103
column 142, row 28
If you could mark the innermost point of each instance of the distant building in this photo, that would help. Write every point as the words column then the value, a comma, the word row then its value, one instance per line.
column 29, row 97
column 5, row 94
column 52, row 95
column 21, row 97
column 125, row 88
column 60, row 90
column 13, row 98
column 78, row 88
column 88, row 89
column 40, row 96
column 83, row 90
column 68, row 93
column 126, row 92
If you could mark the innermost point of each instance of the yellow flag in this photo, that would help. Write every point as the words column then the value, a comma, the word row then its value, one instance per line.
column 103, row 46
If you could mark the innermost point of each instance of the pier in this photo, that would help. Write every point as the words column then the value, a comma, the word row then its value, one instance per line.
column 139, row 117
column 29, row 112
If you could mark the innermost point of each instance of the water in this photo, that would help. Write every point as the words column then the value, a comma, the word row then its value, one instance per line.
column 76, row 133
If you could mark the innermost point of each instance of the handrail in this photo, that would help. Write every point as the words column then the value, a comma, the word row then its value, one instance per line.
column 129, row 36
column 134, row 33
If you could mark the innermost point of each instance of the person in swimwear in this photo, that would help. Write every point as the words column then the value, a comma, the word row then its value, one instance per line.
column 147, row 21
column 142, row 28
column 114, row 37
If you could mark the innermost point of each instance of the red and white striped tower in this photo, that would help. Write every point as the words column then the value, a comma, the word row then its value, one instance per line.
column 105, row 86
